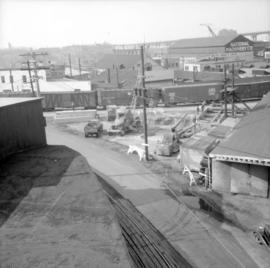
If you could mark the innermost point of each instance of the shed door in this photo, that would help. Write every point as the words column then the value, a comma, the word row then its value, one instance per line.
column 258, row 180
column 240, row 179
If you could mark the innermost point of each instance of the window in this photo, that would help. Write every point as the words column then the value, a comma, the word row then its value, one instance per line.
column 24, row 79
column 3, row 79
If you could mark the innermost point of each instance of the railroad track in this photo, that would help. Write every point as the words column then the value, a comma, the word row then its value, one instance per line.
column 147, row 247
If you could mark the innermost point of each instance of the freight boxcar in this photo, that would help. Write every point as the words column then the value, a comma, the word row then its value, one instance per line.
column 52, row 100
column 119, row 97
column 84, row 99
column 192, row 93
column 252, row 89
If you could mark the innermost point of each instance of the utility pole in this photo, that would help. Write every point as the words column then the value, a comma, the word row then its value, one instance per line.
column 144, row 106
column 80, row 68
column 117, row 77
column 36, row 78
column 33, row 55
column 233, row 90
column 225, row 91
column 11, row 80
column 109, row 75
column 30, row 76
column 70, row 67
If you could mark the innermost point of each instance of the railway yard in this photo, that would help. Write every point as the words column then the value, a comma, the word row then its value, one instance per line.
column 231, row 227
column 135, row 155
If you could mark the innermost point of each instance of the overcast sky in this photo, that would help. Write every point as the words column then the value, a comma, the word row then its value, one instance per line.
column 65, row 22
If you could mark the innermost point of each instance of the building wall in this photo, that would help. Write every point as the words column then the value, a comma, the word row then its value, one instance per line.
column 240, row 178
column 22, row 127
column 221, row 177
column 21, row 79
column 197, row 51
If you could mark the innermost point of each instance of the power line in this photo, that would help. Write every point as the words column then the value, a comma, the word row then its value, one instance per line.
column 33, row 55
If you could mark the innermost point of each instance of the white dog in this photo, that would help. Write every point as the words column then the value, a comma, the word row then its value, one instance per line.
column 133, row 148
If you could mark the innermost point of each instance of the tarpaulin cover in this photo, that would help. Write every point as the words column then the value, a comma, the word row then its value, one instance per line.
column 193, row 150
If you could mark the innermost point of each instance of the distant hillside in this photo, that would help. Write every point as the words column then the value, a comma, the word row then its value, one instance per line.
column 88, row 54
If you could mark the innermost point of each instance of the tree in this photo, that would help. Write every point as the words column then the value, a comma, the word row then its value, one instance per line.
column 227, row 32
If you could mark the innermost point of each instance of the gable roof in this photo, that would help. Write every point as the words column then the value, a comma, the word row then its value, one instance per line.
column 204, row 41
column 249, row 141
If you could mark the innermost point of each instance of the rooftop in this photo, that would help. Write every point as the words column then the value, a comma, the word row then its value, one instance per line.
column 249, row 141
column 12, row 101
column 204, row 42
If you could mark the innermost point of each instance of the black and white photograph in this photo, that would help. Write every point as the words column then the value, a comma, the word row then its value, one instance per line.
column 134, row 134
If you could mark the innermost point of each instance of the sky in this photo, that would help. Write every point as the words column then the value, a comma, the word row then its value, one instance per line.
column 51, row 23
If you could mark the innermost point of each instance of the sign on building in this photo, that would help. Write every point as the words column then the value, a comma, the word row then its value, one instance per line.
column 239, row 45
column 267, row 54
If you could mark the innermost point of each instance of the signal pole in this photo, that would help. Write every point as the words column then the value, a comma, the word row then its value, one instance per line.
column 233, row 110
column 225, row 91
column 144, row 106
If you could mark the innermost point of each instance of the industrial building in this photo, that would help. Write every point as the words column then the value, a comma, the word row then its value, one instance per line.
column 202, row 53
column 241, row 163
column 18, row 79
column 22, row 125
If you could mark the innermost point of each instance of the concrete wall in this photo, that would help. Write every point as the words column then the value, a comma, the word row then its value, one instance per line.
column 240, row 178
column 22, row 127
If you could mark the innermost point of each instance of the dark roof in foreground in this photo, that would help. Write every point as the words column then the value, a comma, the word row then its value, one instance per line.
column 4, row 102
column 54, row 213
column 250, row 139
column 203, row 42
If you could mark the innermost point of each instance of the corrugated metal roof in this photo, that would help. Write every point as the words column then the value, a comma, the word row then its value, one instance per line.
column 203, row 42
column 250, row 137
column 4, row 102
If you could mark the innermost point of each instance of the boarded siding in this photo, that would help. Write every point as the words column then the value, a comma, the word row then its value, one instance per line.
column 259, row 180
column 240, row 179
column 221, row 177
column 22, row 127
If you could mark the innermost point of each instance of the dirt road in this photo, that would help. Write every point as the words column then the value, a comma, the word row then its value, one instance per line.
column 179, row 224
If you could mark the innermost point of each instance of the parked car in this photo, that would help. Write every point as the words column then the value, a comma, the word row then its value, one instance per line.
column 93, row 128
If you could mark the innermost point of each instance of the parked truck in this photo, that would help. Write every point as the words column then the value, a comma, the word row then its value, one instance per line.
column 93, row 128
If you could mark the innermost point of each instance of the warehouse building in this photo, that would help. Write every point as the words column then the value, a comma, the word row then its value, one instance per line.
column 197, row 51
column 22, row 125
column 241, row 163
column 13, row 80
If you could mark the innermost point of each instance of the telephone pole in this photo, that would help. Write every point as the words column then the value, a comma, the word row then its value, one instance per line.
column 70, row 67
column 144, row 106
column 33, row 55
column 80, row 67
column 11, row 80
column 30, row 76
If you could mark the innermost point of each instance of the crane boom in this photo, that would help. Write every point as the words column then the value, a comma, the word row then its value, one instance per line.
column 210, row 30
